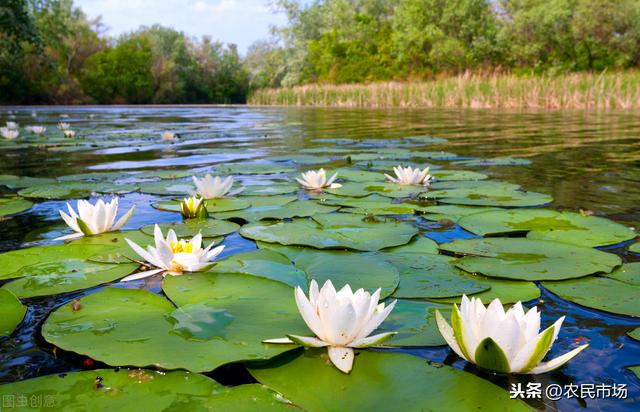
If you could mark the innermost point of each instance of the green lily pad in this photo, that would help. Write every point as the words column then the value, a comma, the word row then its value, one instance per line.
column 72, row 190
column 627, row 273
column 115, row 248
column 402, row 382
column 13, row 205
column 189, row 228
column 360, row 270
column 599, row 293
column 300, row 208
column 488, row 195
column 136, row 327
column 541, row 224
column 107, row 389
column 421, row 245
column 213, row 205
column 252, row 169
column 447, row 175
column 20, row 182
column 361, row 189
column 337, row 230
column 359, row 175
column 414, row 323
column 374, row 205
column 12, row 312
column 635, row 248
column 168, row 187
column 525, row 259
column 431, row 276
column 63, row 276
column 434, row 155
column 508, row 291
column 277, row 188
column 425, row 139
column 498, row 161
column 300, row 159
column 635, row 334
column 453, row 212
column 263, row 263
column 11, row 262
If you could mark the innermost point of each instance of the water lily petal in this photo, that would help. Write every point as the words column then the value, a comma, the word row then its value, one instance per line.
column 279, row 341
column 124, row 219
column 141, row 275
column 447, row 333
column 557, row 362
column 341, row 357
column 372, row 340
column 307, row 341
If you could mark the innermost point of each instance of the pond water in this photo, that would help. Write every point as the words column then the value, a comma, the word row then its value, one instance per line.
column 587, row 162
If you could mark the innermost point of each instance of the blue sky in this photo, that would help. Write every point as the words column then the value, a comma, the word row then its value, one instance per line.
column 231, row 21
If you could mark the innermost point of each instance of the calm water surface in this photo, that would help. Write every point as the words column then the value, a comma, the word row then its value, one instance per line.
column 584, row 160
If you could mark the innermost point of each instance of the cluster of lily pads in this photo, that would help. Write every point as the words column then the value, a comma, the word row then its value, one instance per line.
column 354, row 226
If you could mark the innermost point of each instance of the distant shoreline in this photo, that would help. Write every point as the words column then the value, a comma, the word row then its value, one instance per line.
column 584, row 91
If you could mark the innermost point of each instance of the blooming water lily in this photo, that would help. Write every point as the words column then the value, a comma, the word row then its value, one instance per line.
column 171, row 256
column 499, row 341
column 214, row 187
column 193, row 207
column 340, row 320
column 37, row 129
column 317, row 180
column 9, row 133
column 169, row 136
column 69, row 133
column 94, row 219
column 64, row 126
column 12, row 125
column 410, row 176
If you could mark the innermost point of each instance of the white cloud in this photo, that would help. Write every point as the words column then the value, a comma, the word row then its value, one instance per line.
column 231, row 21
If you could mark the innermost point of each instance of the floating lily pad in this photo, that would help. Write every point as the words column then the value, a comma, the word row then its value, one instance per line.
column 399, row 381
column 635, row 334
column 360, row 270
column 189, row 228
column 525, row 259
column 374, row 204
column 434, row 155
column 431, row 276
column 168, row 187
column 508, row 291
column 635, row 248
column 627, row 273
column 135, row 327
column 300, row 159
column 384, row 166
column 453, row 212
column 12, row 312
column 599, row 293
column 277, row 188
column 263, row 263
column 498, row 161
column 252, row 168
column 13, row 205
column 359, row 175
column 71, row 190
column 425, row 139
column 68, row 275
column 421, row 245
column 300, row 208
column 116, row 249
column 487, row 195
column 361, row 189
column 445, row 175
column 160, row 391
column 337, row 230
column 20, row 182
column 213, row 205
column 541, row 224
column 414, row 323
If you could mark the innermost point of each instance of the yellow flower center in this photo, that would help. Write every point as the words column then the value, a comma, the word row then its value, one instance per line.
column 181, row 247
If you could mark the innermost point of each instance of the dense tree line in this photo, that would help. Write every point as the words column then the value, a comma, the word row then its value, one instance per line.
column 342, row 41
column 50, row 52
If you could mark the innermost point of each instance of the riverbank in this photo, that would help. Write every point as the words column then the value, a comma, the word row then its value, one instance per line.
column 588, row 91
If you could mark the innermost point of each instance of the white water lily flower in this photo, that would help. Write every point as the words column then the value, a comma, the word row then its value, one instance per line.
column 502, row 342
column 9, row 133
column 12, row 125
column 169, row 136
column 214, row 187
column 37, row 129
column 94, row 219
column 341, row 320
column 193, row 207
column 172, row 256
column 64, row 126
column 69, row 133
column 317, row 180
column 410, row 176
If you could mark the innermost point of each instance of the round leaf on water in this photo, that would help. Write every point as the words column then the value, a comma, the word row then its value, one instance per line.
column 599, row 293
column 388, row 189
column 72, row 190
column 277, row 188
column 635, row 248
column 189, row 228
column 168, row 187
column 360, row 270
column 252, row 168
column 340, row 230
column 63, row 276
column 525, row 259
column 159, row 391
column 498, row 161
column 406, row 382
column 300, row 159
column 452, row 212
column 221, row 318
column 446, row 175
column 300, row 208
column 635, row 334
column 374, row 204
column 263, row 263
column 12, row 312
column 431, row 276
column 213, row 205
column 566, row 227
column 485, row 196
column 414, row 323
column 13, row 205
column 359, row 175
column 20, row 182
column 421, row 245
column 627, row 273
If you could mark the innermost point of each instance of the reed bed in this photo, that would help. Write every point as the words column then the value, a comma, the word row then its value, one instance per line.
column 588, row 91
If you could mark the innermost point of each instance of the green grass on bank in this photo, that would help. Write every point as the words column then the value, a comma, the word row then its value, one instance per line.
column 591, row 91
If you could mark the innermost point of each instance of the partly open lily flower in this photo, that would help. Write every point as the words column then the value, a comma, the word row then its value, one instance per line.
column 193, row 208
column 12, row 125
column 37, row 129
column 169, row 136
column 340, row 320
column 214, row 187
column 64, row 126
column 69, row 133
column 9, row 133
column 317, row 180
column 410, row 176
column 94, row 219
column 502, row 342
column 171, row 256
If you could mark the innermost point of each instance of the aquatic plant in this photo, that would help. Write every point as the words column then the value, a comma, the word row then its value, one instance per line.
column 193, row 207
column 94, row 219
column 317, row 180
column 410, row 176
column 214, row 187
